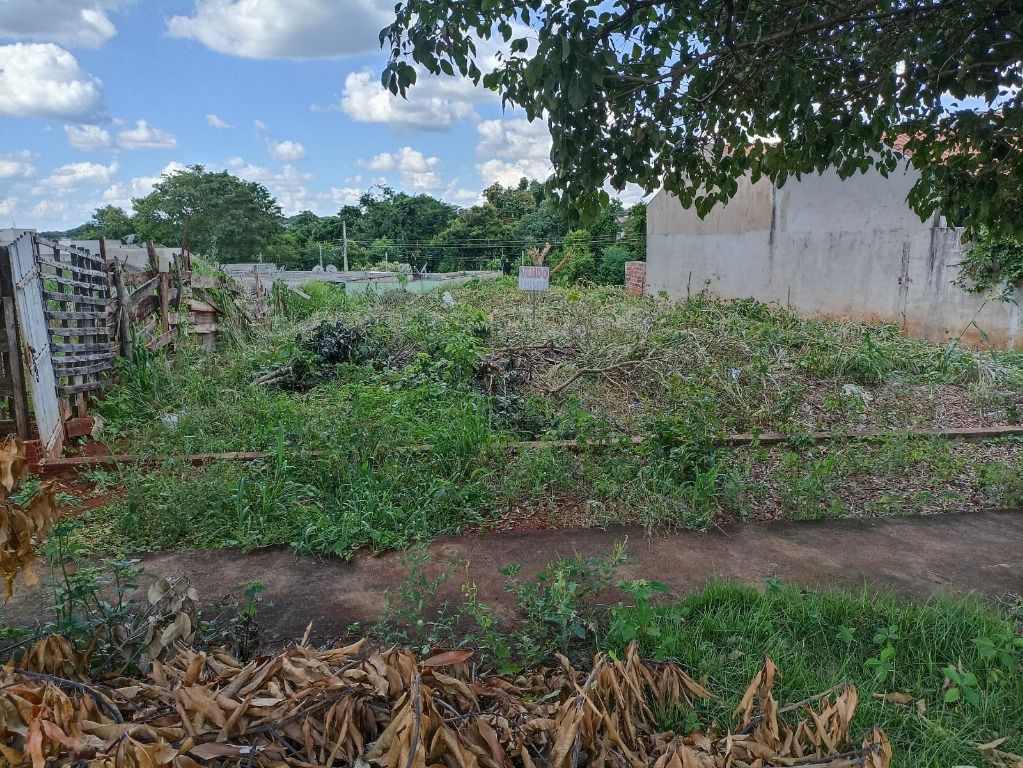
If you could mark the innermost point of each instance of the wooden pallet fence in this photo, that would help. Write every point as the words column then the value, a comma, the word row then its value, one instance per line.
column 66, row 314
column 157, row 307
column 77, row 293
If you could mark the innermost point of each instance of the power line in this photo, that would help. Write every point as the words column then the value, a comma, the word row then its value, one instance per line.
column 509, row 244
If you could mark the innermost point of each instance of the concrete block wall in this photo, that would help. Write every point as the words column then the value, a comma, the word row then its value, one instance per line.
column 635, row 277
column 830, row 248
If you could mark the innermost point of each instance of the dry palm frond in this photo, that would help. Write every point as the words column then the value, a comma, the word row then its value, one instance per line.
column 359, row 705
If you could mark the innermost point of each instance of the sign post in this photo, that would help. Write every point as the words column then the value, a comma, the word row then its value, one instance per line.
column 534, row 280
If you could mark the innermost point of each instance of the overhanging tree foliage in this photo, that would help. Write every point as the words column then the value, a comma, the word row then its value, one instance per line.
column 693, row 94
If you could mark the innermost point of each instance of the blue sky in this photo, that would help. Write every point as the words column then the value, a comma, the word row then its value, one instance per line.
column 99, row 97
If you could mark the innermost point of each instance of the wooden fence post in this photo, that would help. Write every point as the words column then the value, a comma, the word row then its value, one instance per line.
column 165, row 300
column 123, row 321
column 154, row 261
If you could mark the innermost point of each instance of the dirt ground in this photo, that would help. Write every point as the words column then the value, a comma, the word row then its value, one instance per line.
column 918, row 557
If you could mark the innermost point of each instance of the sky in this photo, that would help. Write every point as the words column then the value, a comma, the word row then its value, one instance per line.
column 98, row 98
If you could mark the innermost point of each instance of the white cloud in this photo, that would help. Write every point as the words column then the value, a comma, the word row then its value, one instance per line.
column 259, row 125
column 144, row 136
column 515, row 148
column 460, row 195
column 516, row 139
column 17, row 166
column 44, row 80
column 121, row 194
column 50, row 209
column 7, row 206
column 118, row 194
column 287, row 185
column 632, row 194
column 88, row 137
column 385, row 161
column 342, row 196
column 285, row 151
column 433, row 104
column 285, row 29
column 67, row 22
column 215, row 121
column 75, row 175
column 417, row 171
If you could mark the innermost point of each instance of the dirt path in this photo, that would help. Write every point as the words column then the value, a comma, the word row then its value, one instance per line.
column 918, row 557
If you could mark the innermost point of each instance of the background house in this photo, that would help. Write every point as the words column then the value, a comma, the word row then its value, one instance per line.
column 830, row 248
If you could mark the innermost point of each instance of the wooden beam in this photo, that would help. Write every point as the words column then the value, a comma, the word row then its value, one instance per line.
column 972, row 434
column 79, row 427
column 98, row 301
column 123, row 319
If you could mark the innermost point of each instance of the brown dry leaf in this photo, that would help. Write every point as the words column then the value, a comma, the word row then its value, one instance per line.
column 358, row 706
column 998, row 758
column 12, row 464
column 54, row 655
column 20, row 529
column 903, row 699
column 212, row 750
column 877, row 752
column 447, row 658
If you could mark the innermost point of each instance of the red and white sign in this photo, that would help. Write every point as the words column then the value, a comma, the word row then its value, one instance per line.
column 536, row 279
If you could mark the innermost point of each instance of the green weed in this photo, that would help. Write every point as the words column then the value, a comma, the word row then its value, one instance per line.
column 818, row 639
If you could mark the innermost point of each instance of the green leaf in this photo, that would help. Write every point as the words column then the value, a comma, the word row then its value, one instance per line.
column 951, row 695
column 576, row 95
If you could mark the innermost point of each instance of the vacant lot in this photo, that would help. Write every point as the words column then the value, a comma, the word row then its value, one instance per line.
column 383, row 420
column 391, row 418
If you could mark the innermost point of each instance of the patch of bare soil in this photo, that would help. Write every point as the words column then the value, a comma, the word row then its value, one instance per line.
column 545, row 515
column 780, row 487
column 917, row 557
column 895, row 406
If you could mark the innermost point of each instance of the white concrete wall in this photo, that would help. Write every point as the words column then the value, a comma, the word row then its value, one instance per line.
column 827, row 248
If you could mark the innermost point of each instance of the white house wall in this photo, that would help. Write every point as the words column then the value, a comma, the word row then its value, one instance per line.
column 827, row 248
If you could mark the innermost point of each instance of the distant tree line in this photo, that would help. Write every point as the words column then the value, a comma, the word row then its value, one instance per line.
column 232, row 220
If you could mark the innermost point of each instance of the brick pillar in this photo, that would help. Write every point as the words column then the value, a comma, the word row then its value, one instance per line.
column 635, row 277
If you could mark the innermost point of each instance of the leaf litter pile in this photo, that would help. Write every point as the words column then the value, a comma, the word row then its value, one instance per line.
column 364, row 706
column 21, row 526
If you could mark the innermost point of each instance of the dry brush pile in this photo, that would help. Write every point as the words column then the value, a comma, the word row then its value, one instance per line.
column 363, row 706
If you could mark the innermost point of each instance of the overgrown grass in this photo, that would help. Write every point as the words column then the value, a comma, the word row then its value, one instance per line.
column 407, row 442
column 819, row 639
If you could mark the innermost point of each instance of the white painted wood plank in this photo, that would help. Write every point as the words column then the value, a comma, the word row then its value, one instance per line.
column 32, row 315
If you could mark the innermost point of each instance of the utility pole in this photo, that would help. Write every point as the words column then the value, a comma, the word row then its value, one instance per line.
column 344, row 243
column 321, row 257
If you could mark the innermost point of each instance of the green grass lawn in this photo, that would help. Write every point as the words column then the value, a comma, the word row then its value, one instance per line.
column 819, row 640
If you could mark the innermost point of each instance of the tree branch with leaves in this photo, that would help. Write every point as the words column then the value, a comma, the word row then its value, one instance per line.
column 692, row 95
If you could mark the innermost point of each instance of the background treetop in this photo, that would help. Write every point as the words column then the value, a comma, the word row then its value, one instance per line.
column 655, row 92
column 228, row 218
